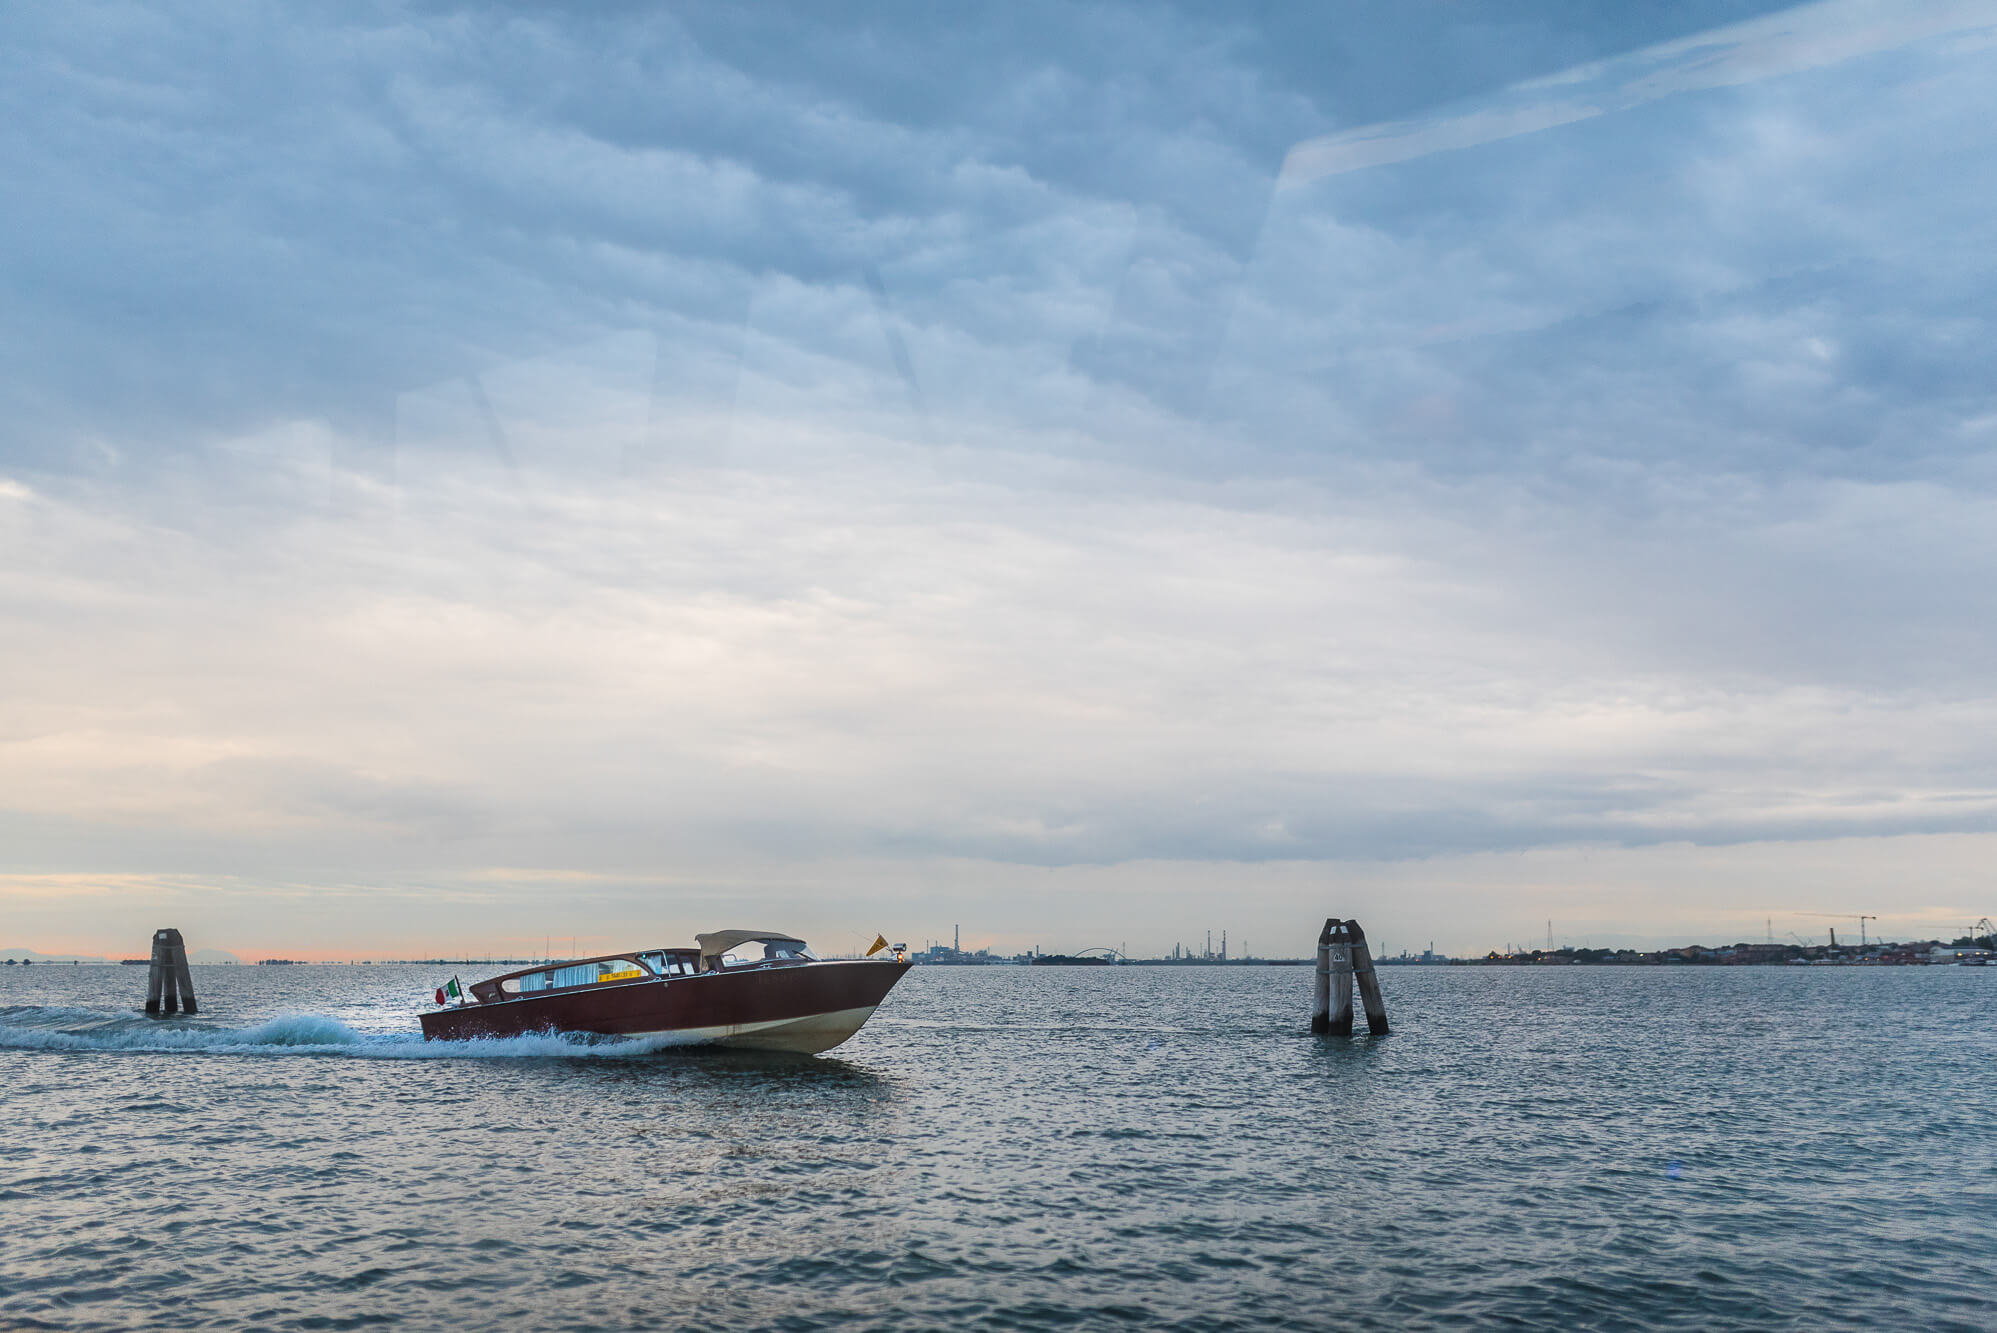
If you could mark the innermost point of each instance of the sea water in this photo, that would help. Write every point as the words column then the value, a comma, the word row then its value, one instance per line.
column 1015, row 1148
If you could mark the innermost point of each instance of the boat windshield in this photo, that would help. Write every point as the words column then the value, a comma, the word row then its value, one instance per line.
column 671, row 962
column 755, row 953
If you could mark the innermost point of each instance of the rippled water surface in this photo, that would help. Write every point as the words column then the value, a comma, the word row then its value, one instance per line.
column 1016, row 1148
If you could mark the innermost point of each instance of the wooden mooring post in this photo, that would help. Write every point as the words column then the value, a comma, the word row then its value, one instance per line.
column 1343, row 958
column 169, row 986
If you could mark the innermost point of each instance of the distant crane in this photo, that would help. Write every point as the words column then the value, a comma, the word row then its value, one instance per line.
column 1860, row 917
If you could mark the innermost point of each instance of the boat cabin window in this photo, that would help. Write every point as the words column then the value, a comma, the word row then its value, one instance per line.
column 579, row 974
column 671, row 963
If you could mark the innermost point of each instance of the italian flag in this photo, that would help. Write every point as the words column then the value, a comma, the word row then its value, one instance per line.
column 450, row 991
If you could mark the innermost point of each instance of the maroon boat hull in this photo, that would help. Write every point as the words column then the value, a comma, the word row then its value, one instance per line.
column 807, row 1008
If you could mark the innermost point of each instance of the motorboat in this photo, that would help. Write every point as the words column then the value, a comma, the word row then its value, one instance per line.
column 760, row 989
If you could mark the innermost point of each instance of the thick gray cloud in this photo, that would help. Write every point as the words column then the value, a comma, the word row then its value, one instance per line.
column 326, row 207
column 617, row 448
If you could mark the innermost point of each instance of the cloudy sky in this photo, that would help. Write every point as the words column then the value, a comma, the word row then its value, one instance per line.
column 1093, row 473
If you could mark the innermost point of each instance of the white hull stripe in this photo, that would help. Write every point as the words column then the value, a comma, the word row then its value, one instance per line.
column 811, row 1033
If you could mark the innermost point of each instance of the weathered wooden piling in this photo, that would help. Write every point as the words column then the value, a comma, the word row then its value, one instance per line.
column 1341, row 983
column 1342, row 958
column 1369, row 983
column 169, row 985
column 1321, row 985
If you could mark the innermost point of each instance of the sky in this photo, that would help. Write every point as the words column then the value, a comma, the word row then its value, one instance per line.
column 1088, row 474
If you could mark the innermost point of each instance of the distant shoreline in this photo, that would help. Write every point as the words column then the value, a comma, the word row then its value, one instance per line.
column 1961, row 952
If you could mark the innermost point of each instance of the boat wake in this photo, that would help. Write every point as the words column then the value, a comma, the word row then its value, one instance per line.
column 47, row 1028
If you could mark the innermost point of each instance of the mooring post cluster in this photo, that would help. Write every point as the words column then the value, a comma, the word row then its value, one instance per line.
column 1342, row 958
column 169, row 986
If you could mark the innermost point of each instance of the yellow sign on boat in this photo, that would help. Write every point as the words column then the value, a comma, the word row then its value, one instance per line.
column 631, row 975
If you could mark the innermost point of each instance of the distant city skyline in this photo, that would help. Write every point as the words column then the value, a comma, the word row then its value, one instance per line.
column 1094, row 474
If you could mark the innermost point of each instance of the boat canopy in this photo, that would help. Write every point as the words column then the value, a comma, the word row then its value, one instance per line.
column 718, row 942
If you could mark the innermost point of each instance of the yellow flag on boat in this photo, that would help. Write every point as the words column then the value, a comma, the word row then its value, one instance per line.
column 880, row 943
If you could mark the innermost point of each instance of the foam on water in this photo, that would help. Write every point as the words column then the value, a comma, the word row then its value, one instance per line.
column 56, row 1028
